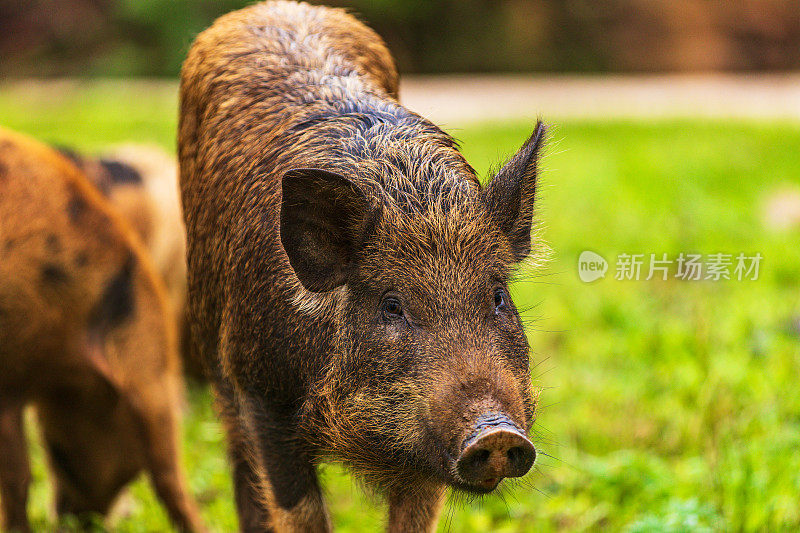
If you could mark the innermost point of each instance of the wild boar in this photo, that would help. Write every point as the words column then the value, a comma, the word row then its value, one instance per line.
column 348, row 274
column 142, row 183
column 86, row 338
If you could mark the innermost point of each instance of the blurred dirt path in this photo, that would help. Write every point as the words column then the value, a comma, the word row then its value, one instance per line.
column 452, row 100
column 457, row 100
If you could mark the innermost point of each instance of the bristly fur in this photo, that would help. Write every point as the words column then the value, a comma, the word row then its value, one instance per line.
column 141, row 182
column 86, row 338
column 310, row 194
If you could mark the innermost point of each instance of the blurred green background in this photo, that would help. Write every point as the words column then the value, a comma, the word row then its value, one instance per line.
column 667, row 405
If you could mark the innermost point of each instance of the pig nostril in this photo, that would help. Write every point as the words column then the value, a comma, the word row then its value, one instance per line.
column 515, row 455
column 482, row 456
column 520, row 459
column 474, row 463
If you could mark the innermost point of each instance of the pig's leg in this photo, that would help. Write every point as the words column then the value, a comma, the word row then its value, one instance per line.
column 15, row 471
column 163, row 461
column 252, row 514
column 288, row 477
column 415, row 510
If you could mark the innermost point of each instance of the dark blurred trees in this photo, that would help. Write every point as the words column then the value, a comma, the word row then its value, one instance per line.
column 150, row 37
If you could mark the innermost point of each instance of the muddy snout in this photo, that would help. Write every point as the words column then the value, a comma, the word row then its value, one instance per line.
column 497, row 448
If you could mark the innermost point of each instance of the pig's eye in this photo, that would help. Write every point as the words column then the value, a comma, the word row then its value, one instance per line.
column 500, row 299
column 391, row 309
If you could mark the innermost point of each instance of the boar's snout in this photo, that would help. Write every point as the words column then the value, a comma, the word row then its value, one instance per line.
column 479, row 413
column 497, row 448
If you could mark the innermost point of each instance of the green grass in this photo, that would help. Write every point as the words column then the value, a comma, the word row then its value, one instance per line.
column 667, row 405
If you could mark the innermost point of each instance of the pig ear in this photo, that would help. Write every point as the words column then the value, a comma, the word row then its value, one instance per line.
column 323, row 221
column 510, row 195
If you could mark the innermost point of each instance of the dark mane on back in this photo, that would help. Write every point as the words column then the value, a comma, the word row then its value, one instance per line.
column 363, row 135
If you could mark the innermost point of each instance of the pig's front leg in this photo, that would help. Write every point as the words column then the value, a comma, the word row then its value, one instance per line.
column 415, row 510
column 253, row 516
column 250, row 508
column 287, row 476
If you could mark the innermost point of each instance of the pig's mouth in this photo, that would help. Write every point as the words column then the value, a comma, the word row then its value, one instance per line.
column 485, row 486
column 495, row 449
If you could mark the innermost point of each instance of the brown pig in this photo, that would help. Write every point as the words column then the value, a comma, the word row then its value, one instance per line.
column 141, row 181
column 348, row 274
column 86, row 338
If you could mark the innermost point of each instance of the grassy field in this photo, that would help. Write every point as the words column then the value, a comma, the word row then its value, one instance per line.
column 667, row 405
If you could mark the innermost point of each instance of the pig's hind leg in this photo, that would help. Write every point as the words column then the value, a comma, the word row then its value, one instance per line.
column 15, row 471
column 160, row 432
